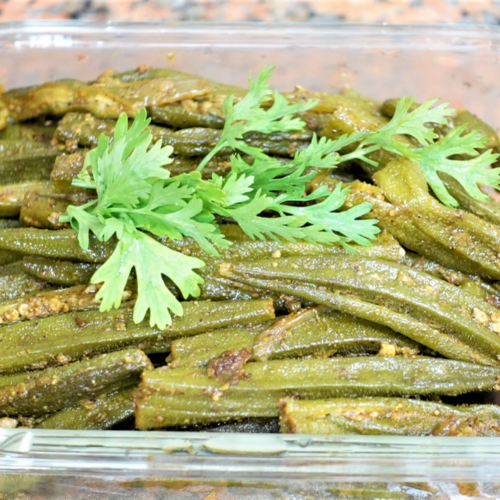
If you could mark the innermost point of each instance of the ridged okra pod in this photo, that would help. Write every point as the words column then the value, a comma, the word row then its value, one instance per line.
column 41, row 392
column 396, row 220
column 396, row 416
column 53, row 302
column 22, row 161
column 187, row 396
column 106, row 97
column 310, row 332
column 12, row 196
column 44, row 210
column 59, row 339
column 64, row 245
column 467, row 236
column 59, row 272
column 389, row 315
column 84, row 130
column 99, row 413
column 15, row 282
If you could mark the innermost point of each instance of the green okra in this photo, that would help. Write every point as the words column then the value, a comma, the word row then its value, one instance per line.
column 52, row 302
column 467, row 236
column 84, row 130
column 393, row 285
column 320, row 332
column 29, row 131
column 198, row 350
column 61, row 244
column 107, row 97
column 397, row 416
column 66, row 168
column 310, row 332
column 44, row 210
column 50, row 390
column 202, row 112
column 396, row 220
column 99, row 413
column 64, row 245
column 7, row 256
column 22, row 161
column 59, row 272
column 55, row 339
column 415, row 329
column 15, row 282
column 12, row 196
column 176, row 397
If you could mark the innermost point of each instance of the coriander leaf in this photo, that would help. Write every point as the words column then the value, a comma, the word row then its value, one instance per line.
column 83, row 222
column 469, row 172
column 234, row 187
column 248, row 217
column 151, row 261
column 247, row 115
column 121, row 170
column 346, row 225
column 413, row 123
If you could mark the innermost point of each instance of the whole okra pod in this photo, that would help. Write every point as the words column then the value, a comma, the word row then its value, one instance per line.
column 41, row 392
column 401, row 322
column 58, row 339
column 396, row 416
column 99, row 413
column 176, row 397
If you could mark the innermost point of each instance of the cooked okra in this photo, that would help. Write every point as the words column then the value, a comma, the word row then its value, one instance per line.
column 303, row 314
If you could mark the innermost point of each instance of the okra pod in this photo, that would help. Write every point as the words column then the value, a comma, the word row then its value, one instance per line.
column 467, row 236
column 418, row 331
column 84, row 130
column 12, row 196
column 57, row 339
column 66, row 168
column 50, row 390
column 107, row 97
column 176, row 397
column 63, row 244
column 59, row 272
column 321, row 332
column 22, row 161
column 310, row 332
column 31, row 131
column 44, row 210
column 397, row 416
column 43, row 304
column 100, row 413
column 396, row 220
column 15, row 282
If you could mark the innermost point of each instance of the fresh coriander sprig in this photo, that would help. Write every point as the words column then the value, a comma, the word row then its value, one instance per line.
column 138, row 202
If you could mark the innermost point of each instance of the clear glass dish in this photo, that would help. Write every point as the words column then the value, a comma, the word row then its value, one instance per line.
column 459, row 64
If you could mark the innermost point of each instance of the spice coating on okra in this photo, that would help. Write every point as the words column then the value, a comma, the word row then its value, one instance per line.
column 320, row 257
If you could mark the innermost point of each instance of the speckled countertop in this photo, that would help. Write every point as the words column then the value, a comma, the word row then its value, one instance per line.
column 354, row 11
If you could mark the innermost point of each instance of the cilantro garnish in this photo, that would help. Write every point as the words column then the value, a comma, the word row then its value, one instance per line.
column 137, row 200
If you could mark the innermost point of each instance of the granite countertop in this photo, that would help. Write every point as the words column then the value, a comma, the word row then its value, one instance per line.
column 336, row 11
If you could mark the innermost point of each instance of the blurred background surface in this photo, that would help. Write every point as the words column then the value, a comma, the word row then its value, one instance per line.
column 332, row 11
